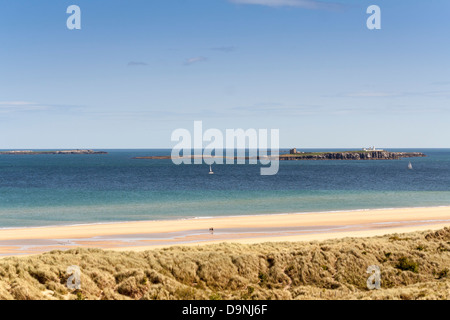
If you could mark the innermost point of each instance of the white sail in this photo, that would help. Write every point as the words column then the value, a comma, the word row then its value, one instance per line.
column 410, row 166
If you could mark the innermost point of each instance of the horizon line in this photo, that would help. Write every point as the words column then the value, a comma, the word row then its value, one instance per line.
column 169, row 148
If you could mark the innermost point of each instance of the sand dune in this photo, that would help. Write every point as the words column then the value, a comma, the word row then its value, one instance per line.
column 413, row 266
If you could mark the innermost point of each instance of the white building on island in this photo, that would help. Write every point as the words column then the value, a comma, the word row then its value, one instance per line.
column 372, row 149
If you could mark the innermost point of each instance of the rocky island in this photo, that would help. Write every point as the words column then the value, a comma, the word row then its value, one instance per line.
column 28, row 152
column 365, row 154
column 350, row 155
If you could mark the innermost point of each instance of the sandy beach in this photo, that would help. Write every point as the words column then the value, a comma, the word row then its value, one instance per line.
column 145, row 235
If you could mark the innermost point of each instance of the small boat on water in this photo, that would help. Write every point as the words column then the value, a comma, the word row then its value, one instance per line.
column 410, row 166
column 210, row 170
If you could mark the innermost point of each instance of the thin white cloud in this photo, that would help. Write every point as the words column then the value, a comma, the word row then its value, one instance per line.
column 284, row 110
column 306, row 4
column 391, row 94
column 7, row 107
column 224, row 49
column 368, row 94
column 137, row 64
column 158, row 114
column 191, row 61
column 15, row 103
column 20, row 106
column 441, row 83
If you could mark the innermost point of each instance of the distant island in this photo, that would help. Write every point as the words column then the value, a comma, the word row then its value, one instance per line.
column 364, row 154
column 28, row 152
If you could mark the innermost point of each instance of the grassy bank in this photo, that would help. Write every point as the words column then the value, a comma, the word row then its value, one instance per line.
column 413, row 266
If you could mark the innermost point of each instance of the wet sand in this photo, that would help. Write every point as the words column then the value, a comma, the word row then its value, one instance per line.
column 146, row 235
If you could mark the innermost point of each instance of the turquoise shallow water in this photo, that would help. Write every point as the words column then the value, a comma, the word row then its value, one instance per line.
column 41, row 190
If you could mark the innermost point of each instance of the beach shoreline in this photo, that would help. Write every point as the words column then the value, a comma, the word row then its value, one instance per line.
column 144, row 235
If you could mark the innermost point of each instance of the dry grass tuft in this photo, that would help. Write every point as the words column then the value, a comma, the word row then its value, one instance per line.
column 413, row 266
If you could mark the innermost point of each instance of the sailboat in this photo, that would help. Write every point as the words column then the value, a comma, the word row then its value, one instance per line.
column 410, row 166
column 210, row 170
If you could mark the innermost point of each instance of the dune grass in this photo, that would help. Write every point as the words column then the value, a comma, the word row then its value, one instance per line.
column 413, row 266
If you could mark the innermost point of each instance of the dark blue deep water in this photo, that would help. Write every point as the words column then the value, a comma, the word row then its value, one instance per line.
column 40, row 190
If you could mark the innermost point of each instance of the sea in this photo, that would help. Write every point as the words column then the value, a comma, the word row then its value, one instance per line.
column 49, row 190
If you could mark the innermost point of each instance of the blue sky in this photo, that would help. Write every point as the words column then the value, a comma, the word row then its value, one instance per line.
column 139, row 69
